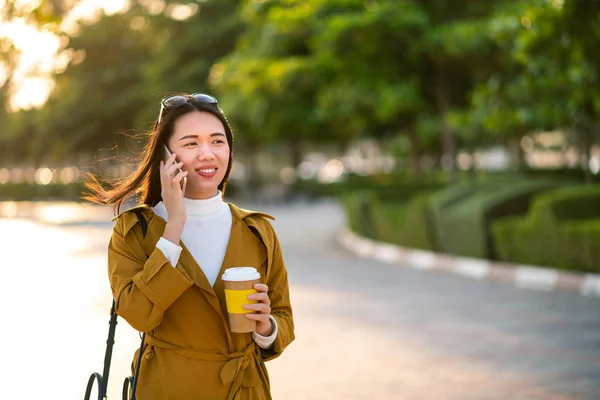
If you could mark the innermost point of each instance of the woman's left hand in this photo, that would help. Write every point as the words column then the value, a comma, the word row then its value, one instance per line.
column 264, row 327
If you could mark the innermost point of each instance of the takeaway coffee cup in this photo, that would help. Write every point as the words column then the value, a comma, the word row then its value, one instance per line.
column 239, row 283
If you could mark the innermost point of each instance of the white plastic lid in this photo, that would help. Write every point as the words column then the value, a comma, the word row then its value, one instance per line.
column 239, row 274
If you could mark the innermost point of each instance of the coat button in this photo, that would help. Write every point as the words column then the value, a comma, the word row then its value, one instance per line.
column 150, row 354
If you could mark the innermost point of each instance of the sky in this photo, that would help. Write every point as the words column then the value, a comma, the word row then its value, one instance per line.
column 42, row 52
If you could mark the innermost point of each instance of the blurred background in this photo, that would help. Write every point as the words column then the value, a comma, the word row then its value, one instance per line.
column 468, row 127
column 477, row 107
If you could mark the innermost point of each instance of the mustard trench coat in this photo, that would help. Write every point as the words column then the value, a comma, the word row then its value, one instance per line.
column 190, row 352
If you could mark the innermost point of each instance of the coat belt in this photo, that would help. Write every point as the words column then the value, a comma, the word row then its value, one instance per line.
column 232, row 372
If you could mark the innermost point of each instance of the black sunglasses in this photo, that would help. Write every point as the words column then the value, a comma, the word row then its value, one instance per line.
column 171, row 102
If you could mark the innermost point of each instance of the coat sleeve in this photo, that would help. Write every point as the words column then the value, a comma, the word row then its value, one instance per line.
column 281, row 308
column 143, row 287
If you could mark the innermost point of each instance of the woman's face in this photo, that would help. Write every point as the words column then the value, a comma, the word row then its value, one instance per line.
column 199, row 141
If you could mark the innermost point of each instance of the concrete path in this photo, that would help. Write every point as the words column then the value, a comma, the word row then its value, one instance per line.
column 364, row 329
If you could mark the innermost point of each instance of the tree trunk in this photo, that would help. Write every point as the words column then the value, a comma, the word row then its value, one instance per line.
column 587, row 143
column 443, row 102
column 518, row 154
column 297, row 152
column 472, row 168
column 252, row 185
column 415, row 151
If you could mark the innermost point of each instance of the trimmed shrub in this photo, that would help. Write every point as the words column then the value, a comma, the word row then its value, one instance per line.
column 404, row 191
column 406, row 223
column 444, row 200
column 573, row 246
column 574, row 202
column 466, row 225
column 359, row 206
column 583, row 240
column 561, row 230
column 351, row 210
column 388, row 220
column 34, row 192
column 388, row 186
column 517, row 240
column 417, row 230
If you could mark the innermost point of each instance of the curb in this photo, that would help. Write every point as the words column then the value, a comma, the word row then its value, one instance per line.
column 521, row 276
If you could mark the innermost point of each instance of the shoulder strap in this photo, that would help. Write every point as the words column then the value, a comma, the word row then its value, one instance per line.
column 103, row 379
column 143, row 222
column 133, row 380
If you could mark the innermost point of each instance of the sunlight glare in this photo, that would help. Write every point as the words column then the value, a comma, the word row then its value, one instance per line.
column 62, row 59
column 154, row 7
column 35, row 62
column 4, row 177
column 114, row 6
column 43, row 176
column 181, row 12
column 39, row 50
column 90, row 11
column 36, row 45
column 33, row 92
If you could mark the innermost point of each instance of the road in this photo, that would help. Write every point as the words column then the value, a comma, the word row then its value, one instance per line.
column 364, row 329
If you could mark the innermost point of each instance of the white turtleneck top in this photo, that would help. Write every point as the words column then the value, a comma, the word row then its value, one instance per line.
column 206, row 234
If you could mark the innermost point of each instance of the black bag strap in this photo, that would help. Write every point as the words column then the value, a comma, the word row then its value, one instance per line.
column 102, row 380
column 109, row 344
column 143, row 222
column 144, row 226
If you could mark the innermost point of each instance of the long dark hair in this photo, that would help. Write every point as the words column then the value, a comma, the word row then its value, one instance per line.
column 144, row 182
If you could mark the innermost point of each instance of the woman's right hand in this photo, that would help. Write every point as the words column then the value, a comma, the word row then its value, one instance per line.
column 172, row 196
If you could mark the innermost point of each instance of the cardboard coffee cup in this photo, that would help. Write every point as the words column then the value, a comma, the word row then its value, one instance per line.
column 239, row 283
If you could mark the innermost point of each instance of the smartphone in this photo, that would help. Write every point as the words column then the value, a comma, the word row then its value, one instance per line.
column 169, row 154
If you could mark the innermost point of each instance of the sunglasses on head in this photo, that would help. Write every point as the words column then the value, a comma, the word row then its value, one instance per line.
column 171, row 102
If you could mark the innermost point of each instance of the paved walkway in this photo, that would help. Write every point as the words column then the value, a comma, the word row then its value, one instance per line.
column 364, row 329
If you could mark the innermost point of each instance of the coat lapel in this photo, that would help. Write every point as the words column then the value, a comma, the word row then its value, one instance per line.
column 243, row 250
column 156, row 227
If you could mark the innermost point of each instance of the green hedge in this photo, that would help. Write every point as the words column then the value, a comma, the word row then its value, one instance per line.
column 403, row 223
column 574, row 202
column 403, row 192
column 520, row 221
column 353, row 182
column 34, row 192
column 422, row 217
column 359, row 206
column 512, row 240
column 67, row 192
column 388, row 186
column 442, row 201
column 417, row 230
column 561, row 230
column 465, row 226
column 583, row 240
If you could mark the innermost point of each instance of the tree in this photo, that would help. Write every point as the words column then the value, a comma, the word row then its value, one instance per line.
column 45, row 16
column 331, row 79
column 96, row 96
column 268, row 84
column 186, row 48
column 454, row 56
column 370, row 86
column 550, row 76
column 122, row 66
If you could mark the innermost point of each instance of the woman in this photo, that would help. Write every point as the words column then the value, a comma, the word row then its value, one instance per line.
column 168, row 284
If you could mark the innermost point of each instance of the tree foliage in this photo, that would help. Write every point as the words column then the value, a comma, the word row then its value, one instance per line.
column 440, row 75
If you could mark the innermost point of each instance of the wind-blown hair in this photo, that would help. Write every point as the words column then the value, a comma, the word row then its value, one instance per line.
column 144, row 182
